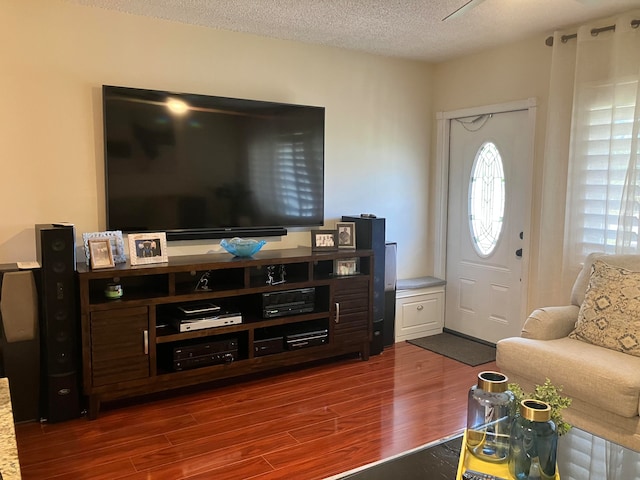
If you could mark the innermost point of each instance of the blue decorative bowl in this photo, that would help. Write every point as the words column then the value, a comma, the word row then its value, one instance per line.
column 241, row 247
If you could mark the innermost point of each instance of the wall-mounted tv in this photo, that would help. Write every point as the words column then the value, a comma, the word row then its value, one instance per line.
column 199, row 166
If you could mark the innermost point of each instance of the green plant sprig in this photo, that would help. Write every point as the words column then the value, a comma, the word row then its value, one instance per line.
column 550, row 394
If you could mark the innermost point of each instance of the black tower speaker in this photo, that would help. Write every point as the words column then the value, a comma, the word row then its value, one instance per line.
column 390, row 281
column 370, row 235
column 59, row 322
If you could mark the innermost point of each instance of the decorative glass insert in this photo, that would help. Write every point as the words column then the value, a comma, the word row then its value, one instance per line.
column 486, row 199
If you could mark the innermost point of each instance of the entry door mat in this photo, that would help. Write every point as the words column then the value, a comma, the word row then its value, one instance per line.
column 438, row 461
column 458, row 348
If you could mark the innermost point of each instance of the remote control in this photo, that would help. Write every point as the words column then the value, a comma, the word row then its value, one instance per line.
column 474, row 475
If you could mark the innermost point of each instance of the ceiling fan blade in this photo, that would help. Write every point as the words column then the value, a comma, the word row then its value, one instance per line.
column 460, row 10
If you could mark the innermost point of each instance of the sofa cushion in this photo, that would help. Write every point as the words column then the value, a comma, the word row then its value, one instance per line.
column 610, row 314
column 628, row 261
column 598, row 376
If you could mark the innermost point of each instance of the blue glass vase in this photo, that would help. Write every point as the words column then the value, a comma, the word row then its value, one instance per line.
column 533, row 443
column 489, row 417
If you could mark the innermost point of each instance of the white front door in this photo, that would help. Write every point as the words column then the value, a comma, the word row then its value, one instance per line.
column 488, row 219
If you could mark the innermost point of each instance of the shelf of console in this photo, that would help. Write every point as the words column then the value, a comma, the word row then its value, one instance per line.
column 168, row 334
column 211, row 374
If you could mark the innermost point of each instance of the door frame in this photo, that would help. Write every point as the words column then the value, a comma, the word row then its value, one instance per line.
column 442, row 186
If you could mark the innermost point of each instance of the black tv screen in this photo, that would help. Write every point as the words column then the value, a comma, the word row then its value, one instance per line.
column 198, row 166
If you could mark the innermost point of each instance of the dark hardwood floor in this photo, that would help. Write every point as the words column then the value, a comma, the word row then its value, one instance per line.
column 310, row 423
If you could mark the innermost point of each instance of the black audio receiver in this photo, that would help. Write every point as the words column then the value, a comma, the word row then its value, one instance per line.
column 288, row 302
column 204, row 354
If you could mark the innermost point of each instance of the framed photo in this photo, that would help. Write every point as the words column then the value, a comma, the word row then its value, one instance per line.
column 100, row 251
column 116, row 241
column 324, row 240
column 346, row 234
column 345, row 266
column 147, row 248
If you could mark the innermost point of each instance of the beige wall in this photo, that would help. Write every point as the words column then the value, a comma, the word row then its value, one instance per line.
column 513, row 72
column 380, row 113
column 56, row 55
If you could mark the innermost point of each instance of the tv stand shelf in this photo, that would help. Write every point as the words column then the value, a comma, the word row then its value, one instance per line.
column 129, row 344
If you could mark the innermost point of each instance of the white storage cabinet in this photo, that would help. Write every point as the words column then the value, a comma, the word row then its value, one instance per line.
column 419, row 308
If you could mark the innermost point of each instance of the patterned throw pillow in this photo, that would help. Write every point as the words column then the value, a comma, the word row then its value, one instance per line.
column 610, row 314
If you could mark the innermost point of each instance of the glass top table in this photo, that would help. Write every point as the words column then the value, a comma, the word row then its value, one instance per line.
column 581, row 456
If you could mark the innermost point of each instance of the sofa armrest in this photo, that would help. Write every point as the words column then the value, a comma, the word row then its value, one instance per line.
column 550, row 323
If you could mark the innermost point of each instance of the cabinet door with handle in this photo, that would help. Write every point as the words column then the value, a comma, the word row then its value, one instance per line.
column 351, row 312
column 120, row 345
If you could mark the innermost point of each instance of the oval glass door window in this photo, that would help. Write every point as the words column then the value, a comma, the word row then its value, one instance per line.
column 486, row 199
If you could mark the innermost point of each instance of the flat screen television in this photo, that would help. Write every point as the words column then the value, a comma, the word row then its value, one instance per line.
column 199, row 166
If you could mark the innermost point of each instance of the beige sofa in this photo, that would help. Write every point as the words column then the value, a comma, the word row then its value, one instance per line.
column 604, row 384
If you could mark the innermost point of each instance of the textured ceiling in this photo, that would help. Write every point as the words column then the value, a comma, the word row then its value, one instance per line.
column 401, row 28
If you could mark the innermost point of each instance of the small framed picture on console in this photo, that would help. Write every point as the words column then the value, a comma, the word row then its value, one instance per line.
column 100, row 253
column 145, row 248
column 345, row 267
column 324, row 240
column 346, row 235
column 117, row 245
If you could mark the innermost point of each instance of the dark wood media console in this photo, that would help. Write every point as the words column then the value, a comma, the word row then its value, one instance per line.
column 128, row 343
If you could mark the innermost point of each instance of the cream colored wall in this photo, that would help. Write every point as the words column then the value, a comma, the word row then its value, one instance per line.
column 56, row 56
column 513, row 72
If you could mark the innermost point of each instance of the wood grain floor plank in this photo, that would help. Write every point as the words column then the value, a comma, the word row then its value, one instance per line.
column 216, row 431
column 105, row 471
column 125, row 426
column 117, row 436
column 193, row 458
column 309, row 397
column 70, row 464
column 233, row 471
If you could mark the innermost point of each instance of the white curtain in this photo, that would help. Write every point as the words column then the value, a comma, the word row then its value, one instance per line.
column 591, row 152
column 592, row 169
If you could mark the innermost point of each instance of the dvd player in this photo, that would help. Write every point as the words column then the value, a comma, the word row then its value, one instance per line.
column 197, row 308
column 221, row 320
column 295, row 341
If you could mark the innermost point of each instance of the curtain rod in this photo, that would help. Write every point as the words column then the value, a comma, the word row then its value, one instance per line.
column 594, row 32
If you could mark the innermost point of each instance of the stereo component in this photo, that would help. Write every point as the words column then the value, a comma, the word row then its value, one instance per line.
column 295, row 341
column 205, row 361
column 190, row 324
column 200, row 315
column 204, row 354
column 288, row 302
column 268, row 346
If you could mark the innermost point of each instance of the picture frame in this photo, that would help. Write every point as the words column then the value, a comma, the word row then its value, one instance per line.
column 100, row 252
column 343, row 267
column 346, row 235
column 324, row 240
column 115, row 239
column 146, row 248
